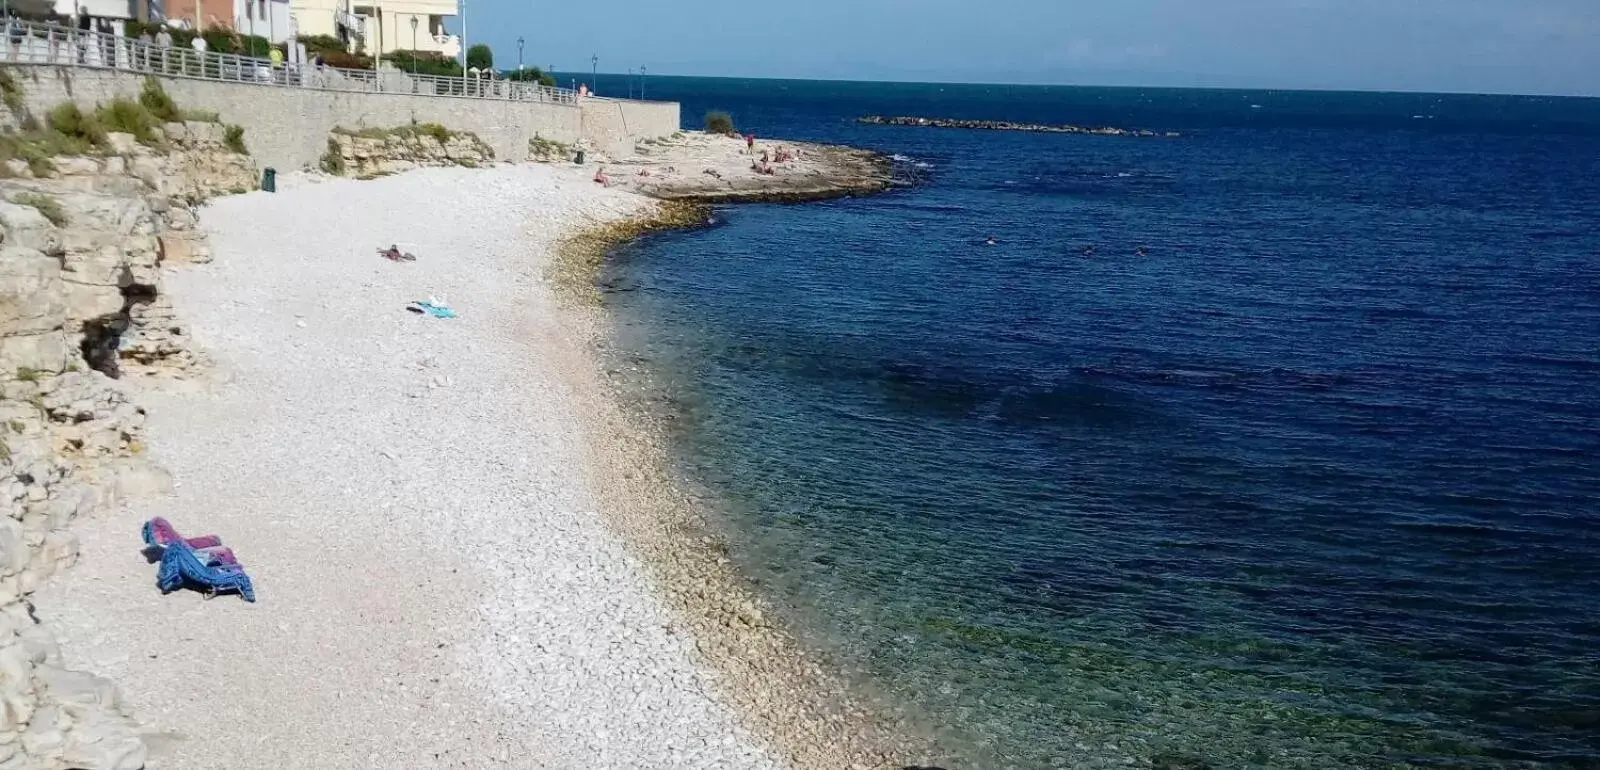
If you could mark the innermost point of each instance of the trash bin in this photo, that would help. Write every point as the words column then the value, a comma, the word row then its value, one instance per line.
column 578, row 160
column 269, row 179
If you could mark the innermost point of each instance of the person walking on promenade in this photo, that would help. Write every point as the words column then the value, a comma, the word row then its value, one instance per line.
column 163, row 42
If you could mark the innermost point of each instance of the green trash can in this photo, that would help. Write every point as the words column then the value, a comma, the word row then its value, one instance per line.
column 269, row 179
column 578, row 160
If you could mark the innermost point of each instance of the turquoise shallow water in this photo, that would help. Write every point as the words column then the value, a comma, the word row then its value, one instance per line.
column 1311, row 484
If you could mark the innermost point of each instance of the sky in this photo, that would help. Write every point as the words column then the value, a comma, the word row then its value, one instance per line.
column 1476, row 46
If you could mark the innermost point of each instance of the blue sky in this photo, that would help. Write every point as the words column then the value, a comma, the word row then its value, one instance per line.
column 1493, row 46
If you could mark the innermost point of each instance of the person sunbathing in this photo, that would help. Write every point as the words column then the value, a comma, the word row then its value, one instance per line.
column 600, row 177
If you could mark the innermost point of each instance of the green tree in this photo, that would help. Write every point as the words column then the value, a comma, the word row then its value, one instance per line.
column 480, row 56
column 530, row 75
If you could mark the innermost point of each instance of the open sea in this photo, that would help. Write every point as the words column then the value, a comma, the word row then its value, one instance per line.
column 1314, row 483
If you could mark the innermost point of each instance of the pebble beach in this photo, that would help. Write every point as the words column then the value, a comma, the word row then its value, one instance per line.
column 448, row 576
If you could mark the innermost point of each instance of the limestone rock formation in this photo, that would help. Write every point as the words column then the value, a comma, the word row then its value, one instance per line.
column 82, row 248
column 379, row 152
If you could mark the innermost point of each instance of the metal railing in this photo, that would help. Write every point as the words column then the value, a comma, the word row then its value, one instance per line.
column 54, row 44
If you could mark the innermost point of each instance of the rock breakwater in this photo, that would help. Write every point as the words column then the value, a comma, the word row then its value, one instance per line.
column 1006, row 125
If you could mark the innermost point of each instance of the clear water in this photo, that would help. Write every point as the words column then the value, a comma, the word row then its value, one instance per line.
column 1313, row 484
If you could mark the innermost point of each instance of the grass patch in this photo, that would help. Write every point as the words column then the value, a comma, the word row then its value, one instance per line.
column 11, row 92
column 33, row 148
column 200, row 116
column 155, row 100
column 332, row 160
column 5, row 451
column 365, row 133
column 130, row 117
column 718, row 122
column 72, row 123
column 233, row 137
column 51, row 209
column 28, row 374
column 438, row 132
column 415, row 130
column 545, row 149
column 17, row 426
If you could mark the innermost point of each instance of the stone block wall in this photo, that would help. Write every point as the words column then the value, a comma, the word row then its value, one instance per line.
column 287, row 128
column 613, row 126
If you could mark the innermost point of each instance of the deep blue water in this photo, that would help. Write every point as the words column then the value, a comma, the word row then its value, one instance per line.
column 1313, row 484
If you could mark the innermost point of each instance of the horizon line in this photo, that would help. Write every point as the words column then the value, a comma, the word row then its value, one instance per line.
column 1304, row 89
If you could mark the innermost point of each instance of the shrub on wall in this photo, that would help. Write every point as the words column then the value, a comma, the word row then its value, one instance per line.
column 76, row 125
column 155, row 99
column 129, row 117
column 349, row 61
column 323, row 44
column 425, row 63
column 233, row 137
column 530, row 75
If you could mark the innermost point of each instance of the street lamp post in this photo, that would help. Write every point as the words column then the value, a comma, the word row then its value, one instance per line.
column 594, row 73
column 413, row 44
column 520, row 41
column 641, row 81
column 630, row 82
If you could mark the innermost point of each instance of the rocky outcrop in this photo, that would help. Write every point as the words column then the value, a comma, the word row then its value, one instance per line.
column 1006, row 125
column 704, row 168
column 374, row 152
column 83, row 241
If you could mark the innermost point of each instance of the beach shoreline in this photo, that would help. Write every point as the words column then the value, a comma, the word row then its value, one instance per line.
column 462, row 545
column 790, row 693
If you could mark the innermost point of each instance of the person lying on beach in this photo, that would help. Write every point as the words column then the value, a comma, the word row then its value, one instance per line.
column 601, row 178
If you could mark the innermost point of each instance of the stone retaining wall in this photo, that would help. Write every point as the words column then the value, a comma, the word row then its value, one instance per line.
column 287, row 127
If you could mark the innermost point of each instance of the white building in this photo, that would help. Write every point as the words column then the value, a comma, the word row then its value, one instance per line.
column 99, row 9
column 381, row 27
column 271, row 19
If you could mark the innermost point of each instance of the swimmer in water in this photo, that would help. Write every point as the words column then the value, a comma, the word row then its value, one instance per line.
column 1140, row 252
column 990, row 241
column 1088, row 251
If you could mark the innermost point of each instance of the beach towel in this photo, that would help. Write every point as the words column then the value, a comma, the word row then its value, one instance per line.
column 202, row 562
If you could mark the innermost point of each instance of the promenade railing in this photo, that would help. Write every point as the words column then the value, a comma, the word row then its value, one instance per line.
column 59, row 45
